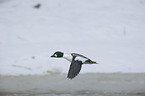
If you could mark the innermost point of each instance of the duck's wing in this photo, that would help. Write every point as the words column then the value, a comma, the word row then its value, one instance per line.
column 78, row 55
column 74, row 69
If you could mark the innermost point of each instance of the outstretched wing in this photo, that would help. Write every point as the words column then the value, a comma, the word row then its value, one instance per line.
column 74, row 69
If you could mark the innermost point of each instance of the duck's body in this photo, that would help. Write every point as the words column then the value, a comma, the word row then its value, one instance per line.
column 76, row 62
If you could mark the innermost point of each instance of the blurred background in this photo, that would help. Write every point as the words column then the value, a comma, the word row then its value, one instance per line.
column 111, row 32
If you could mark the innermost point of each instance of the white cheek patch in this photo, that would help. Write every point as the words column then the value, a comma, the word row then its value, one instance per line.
column 55, row 55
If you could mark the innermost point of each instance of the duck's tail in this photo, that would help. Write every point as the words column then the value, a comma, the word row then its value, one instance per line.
column 94, row 62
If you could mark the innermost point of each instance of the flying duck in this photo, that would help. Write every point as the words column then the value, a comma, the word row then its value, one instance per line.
column 77, row 60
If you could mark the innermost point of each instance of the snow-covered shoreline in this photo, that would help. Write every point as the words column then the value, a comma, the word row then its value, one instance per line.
column 108, row 31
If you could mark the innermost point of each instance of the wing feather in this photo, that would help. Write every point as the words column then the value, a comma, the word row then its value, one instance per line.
column 74, row 69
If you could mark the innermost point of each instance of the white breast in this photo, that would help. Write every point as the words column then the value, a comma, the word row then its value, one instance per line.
column 67, row 57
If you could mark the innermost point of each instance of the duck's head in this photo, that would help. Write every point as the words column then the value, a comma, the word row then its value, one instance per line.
column 58, row 54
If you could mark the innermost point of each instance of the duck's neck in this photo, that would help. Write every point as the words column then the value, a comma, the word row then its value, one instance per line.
column 67, row 57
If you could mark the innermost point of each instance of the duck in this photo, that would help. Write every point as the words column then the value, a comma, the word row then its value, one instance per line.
column 77, row 60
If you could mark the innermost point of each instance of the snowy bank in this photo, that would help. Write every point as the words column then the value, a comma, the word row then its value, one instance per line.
column 108, row 31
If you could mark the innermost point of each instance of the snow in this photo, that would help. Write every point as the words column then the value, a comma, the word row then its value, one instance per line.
column 111, row 32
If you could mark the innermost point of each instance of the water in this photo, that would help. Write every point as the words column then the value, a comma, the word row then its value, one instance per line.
column 55, row 84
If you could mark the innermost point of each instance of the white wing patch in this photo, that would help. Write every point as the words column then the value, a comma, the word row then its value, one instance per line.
column 81, row 59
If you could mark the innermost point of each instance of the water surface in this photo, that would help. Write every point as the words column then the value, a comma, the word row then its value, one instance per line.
column 91, row 84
